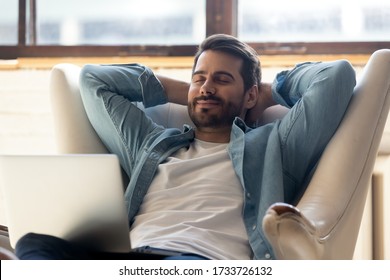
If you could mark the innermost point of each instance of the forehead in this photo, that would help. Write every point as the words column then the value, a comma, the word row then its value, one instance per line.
column 215, row 61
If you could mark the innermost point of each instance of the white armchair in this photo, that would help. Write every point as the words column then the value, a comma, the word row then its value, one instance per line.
column 325, row 223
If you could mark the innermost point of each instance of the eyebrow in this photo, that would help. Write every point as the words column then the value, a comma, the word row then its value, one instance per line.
column 201, row 72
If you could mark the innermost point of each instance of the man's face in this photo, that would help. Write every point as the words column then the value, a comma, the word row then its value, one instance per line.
column 216, row 95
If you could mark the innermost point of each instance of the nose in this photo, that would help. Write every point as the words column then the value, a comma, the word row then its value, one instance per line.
column 207, row 89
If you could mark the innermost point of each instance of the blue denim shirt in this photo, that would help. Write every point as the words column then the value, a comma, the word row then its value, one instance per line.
column 271, row 161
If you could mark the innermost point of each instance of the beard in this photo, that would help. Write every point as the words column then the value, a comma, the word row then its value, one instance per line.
column 212, row 118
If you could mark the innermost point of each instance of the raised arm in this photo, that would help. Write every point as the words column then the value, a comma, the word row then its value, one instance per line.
column 264, row 101
column 108, row 93
column 175, row 90
column 318, row 95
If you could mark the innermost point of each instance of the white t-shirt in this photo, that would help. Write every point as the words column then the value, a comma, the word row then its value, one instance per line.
column 194, row 205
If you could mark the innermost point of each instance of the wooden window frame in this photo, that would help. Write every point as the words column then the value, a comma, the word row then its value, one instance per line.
column 221, row 17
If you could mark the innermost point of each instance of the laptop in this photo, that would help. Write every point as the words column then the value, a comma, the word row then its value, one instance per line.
column 74, row 197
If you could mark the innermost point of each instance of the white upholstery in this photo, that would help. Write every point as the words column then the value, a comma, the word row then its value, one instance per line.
column 73, row 131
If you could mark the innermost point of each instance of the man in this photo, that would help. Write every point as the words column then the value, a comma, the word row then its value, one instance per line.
column 203, row 191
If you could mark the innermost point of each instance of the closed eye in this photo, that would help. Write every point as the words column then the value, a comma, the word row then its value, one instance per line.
column 198, row 79
column 223, row 79
column 220, row 77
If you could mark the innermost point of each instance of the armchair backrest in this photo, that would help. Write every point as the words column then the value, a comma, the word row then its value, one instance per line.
column 325, row 222
column 74, row 133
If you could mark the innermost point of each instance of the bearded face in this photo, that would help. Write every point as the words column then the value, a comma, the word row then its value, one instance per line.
column 216, row 94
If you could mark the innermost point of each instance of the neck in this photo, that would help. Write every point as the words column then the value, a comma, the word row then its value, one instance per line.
column 213, row 135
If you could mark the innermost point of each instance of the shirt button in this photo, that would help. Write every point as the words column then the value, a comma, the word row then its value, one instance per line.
column 253, row 227
column 248, row 195
column 267, row 256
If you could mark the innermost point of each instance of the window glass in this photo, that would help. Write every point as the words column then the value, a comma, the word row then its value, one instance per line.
column 308, row 20
column 120, row 22
column 8, row 22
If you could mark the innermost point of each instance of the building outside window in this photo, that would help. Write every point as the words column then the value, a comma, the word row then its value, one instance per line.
column 120, row 22
column 307, row 20
column 156, row 25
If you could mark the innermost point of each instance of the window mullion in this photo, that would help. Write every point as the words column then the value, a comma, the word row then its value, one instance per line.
column 32, row 21
column 221, row 17
column 22, row 23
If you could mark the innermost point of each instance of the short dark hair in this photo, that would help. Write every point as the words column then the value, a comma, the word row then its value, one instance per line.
column 251, row 67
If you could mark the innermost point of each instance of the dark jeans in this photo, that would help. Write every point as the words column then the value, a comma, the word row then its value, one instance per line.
column 34, row 246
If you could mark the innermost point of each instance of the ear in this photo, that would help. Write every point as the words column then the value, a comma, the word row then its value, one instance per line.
column 252, row 95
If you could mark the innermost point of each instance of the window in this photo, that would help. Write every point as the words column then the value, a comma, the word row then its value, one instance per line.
column 306, row 20
column 9, row 23
column 47, row 28
column 121, row 22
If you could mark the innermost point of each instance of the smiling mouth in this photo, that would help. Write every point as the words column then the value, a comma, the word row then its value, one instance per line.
column 207, row 102
column 207, row 105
